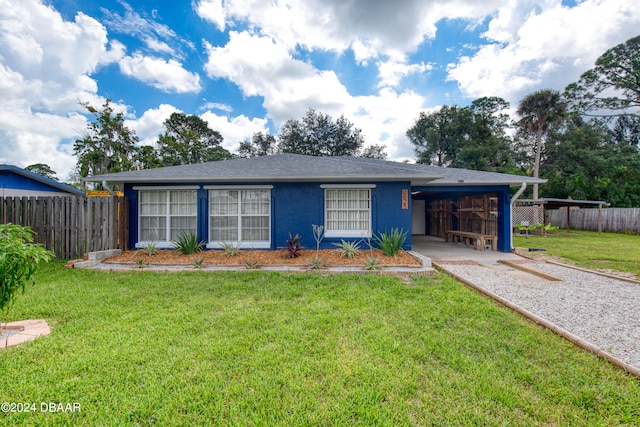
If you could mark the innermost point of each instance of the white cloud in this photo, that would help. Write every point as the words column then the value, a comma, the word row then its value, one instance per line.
column 158, row 37
column 392, row 72
column 212, row 11
column 290, row 87
column 36, row 42
column 384, row 119
column 150, row 124
column 45, row 69
column 169, row 76
column 261, row 67
column 236, row 129
column 158, row 46
column 29, row 138
column 216, row 106
column 370, row 28
column 543, row 43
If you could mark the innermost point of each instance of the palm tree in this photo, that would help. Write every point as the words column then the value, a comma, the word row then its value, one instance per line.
column 539, row 111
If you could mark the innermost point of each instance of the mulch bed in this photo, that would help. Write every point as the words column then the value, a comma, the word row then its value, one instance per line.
column 329, row 258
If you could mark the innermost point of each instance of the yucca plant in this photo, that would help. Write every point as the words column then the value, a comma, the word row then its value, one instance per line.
column 348, row 249
column 316, row 263
column 371, row 264
column 391, row 242
column 151, row 248
column 230, row 248
column 188, row 243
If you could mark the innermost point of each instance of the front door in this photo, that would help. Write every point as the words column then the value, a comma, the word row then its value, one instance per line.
column 418, row 217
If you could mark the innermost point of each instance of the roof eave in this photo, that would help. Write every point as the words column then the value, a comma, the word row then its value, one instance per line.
column 142, row 180
column 481, row 183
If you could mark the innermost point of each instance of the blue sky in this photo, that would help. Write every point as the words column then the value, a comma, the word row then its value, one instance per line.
column 246, row 66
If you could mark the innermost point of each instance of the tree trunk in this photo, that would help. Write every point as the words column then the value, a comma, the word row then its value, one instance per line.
column 536, row 166
column 536, row 174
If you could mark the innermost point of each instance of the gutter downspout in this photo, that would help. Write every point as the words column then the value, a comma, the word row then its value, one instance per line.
column 513, row 200
column 106, row 187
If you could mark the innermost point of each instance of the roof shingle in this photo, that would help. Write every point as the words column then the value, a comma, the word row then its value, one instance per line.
column 296, row 167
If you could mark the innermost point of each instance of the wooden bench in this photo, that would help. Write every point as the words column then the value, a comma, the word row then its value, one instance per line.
column 479, row 241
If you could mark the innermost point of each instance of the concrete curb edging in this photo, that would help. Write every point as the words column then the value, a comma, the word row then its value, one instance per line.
column 586, row 345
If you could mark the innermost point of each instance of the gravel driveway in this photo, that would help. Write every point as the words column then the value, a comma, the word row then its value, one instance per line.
column 600, row 310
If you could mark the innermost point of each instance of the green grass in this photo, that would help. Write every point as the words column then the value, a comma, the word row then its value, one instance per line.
column 612, row 251
column 264, row 349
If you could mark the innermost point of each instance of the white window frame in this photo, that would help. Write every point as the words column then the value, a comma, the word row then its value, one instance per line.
column 245, row 244
column 167, row 243
column 328, row 232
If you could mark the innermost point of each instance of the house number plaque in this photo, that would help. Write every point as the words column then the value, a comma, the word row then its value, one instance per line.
column 405, row 199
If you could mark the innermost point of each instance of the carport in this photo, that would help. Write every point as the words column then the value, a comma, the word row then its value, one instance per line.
column 483, row 210
column 467, row 201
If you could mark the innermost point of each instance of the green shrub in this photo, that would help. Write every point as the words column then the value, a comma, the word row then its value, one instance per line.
column 188, row 243
column 348, row 249
column 391, row 242
column 19, row 260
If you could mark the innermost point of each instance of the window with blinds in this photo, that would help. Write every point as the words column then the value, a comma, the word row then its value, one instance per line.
column 240, row 216
column 347, row 212
column 163, row 215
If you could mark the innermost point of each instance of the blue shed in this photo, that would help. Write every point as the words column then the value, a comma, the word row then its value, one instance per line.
column 17, row 182
column 258, row 201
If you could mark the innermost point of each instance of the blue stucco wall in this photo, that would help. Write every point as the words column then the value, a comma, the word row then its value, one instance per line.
column 295, row 207
column 10, row 179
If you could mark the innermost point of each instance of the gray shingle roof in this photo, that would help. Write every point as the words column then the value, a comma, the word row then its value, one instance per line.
column 295, row 167
column 457, row 176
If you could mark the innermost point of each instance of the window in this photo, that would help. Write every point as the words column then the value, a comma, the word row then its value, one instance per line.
column 165, row 214
column 240, row 215
column 347, row 210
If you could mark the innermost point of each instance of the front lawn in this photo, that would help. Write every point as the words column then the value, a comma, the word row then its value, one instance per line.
column 613, row 251
column 257, row 348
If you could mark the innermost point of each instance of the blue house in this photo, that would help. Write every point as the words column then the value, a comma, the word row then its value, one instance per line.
column 258, row 201
column 17, row 182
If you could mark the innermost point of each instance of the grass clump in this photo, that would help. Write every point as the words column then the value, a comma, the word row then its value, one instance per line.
column 188, row 243
column 391, row 242
column 264, row 348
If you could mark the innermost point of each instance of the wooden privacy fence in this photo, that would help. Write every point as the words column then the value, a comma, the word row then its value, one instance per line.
column 70, row 226
column 614, row 220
